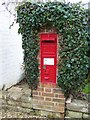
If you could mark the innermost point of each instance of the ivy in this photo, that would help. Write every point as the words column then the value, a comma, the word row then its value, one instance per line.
column 70, row 20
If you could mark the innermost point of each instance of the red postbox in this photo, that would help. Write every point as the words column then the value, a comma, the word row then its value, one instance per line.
column 48, row 51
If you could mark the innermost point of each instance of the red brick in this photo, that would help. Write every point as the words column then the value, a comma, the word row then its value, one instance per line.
column 49, row 85
column 35, row 92
column 59, row 95
column 59, row 100
column 40, row 93
column 48, row 94
column 47, row 103
column 47, row 90
column 49, row 30
column 38, row 97
column 48, row 99
column 56, row 95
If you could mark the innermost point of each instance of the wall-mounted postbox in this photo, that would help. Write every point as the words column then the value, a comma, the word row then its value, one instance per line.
column 48, row 51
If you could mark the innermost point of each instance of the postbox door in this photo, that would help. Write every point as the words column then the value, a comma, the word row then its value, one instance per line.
column 48, row 61
column 48, row 69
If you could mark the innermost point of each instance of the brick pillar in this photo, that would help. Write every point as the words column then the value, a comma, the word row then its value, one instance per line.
column 49, row 98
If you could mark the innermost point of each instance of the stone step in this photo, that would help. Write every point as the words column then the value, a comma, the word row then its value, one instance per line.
column 78, row 105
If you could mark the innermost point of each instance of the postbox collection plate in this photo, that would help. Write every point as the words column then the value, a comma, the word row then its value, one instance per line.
column 48, row 51
column 48, row 61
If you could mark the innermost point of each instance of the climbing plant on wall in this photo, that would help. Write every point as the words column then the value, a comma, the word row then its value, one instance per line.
column 70, row 20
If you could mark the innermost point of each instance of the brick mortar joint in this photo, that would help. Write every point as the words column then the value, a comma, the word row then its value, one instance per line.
column 54, row 102
column 46, row 94
column 55, row 90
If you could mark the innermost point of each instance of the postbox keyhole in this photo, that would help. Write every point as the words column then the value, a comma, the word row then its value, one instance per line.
column 44, row 67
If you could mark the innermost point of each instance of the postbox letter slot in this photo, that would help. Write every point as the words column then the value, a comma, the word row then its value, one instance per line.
column 48, row 40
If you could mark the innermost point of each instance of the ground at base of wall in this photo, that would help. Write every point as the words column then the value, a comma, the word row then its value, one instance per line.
column 7, row 113
column 13, row 114
column 16, row 102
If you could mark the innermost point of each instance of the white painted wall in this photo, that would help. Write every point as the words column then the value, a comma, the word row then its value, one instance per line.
column 11, row 53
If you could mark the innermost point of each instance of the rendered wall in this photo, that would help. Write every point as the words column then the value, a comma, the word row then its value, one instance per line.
column 11, row 53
